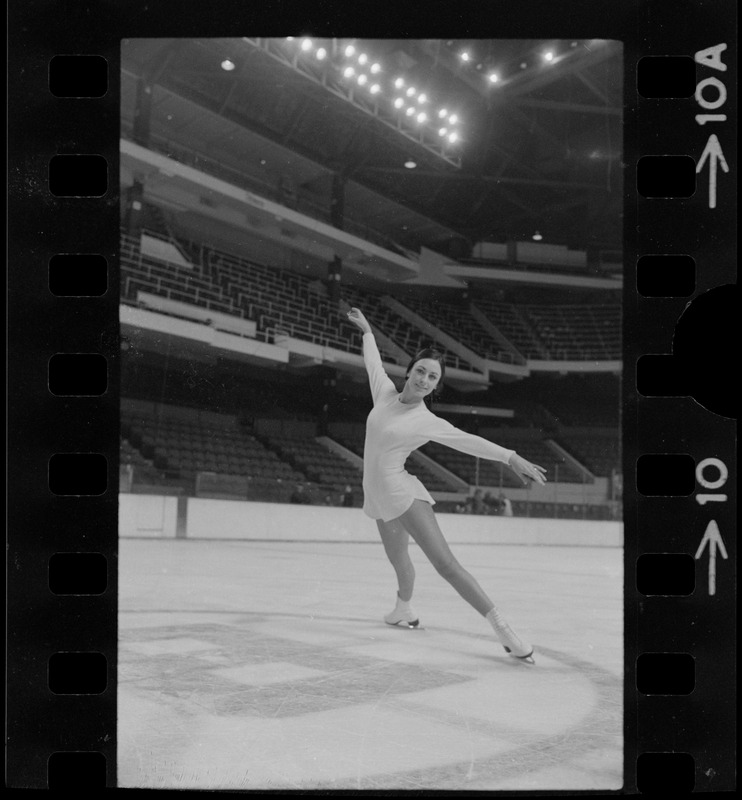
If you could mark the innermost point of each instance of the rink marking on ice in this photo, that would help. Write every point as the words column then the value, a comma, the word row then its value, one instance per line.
column 386, row 682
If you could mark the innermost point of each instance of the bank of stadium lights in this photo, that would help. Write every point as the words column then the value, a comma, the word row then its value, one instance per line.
column 468, row 60
column 362, row 71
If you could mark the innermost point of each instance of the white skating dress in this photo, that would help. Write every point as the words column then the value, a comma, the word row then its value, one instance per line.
column 393, row 430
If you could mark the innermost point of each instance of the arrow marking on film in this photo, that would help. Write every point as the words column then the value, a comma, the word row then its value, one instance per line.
column 713, row 153
column 712, row 538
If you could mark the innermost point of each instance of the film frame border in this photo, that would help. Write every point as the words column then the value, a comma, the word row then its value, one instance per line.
column 44, row 525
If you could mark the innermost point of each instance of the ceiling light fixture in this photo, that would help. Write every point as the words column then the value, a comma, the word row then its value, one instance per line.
column 306, row 44
column 398, row 103
column 362, row 79
column 422, row 117
column 493, row 77
column 228, row 65
column 398, row 83
column 363, row 58
column 375, row 89
column 465, row 56
column 410, row 164
column 537, row 237
column 375, row 68
column 549, row 55
column 349, row 50
column 349, row 72
column 321, row 53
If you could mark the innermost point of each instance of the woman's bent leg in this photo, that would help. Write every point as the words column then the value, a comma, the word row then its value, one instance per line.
column 422, row 525
column 396, row 541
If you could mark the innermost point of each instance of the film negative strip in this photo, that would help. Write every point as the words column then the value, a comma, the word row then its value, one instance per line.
column 679, row 388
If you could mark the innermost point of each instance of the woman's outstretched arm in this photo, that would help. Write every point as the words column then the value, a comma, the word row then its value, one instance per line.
column 355, row 315
column 379, row 381
column 445, row 433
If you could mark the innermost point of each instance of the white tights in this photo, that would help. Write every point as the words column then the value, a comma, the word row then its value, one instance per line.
column 419, row 522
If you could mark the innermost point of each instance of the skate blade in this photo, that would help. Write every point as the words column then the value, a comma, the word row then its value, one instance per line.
column 411, row 626
column 527, row 659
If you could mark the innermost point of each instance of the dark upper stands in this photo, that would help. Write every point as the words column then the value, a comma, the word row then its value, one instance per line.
column 281, row 301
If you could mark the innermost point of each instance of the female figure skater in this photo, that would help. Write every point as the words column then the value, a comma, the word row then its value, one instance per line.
column 399, row 423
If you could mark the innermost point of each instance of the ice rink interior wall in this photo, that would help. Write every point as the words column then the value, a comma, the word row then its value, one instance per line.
column 158, row 516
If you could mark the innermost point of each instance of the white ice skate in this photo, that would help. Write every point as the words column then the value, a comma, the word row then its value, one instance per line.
column 509, row 640
column 403, row 617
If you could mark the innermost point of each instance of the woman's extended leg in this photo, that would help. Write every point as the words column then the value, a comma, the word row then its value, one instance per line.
column 422, row 525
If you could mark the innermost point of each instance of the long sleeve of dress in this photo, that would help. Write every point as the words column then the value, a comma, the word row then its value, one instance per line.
column 441, row 431
column 379, row 381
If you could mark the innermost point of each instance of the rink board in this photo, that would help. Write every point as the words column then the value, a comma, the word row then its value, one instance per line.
column 158, row 516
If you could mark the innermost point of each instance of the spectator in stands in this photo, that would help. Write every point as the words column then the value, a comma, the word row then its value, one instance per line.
column 299, row 495
column 477, row 503
column 399, row 423
column 349, row 499
column 492, row 504
column 505, row 505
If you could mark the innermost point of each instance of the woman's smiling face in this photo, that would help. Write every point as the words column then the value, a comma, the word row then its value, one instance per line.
column 423, row 377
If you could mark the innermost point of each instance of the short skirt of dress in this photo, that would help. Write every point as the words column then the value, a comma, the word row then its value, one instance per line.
column 389, row 497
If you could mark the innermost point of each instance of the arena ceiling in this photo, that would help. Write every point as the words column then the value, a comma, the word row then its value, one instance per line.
column 541, row 150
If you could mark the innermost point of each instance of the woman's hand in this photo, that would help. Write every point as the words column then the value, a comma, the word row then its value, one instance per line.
column 355, row 315
column 527, row 471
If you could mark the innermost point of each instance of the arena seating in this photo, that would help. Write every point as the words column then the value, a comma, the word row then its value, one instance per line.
column 598, row 451
column 489, row 473
column 432, row 481
column 457, row 321
column 281, row 301
column 315, row 461
column 577, row 332
column 514, row 326
column 187, row 446
column 397, row 328
column 140, row 272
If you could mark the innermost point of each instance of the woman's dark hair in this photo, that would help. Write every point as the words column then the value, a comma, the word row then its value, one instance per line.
column 436, row 355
